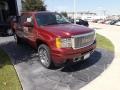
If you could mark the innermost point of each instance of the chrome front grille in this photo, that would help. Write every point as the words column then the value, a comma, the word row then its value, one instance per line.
column 80, row 41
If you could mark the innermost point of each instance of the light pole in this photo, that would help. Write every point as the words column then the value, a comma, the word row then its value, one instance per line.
column 75, row 12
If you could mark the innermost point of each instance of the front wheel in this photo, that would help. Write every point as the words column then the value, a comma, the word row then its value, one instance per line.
column 44, row 56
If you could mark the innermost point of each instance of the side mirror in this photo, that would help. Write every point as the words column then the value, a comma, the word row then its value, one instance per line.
column 28, row 24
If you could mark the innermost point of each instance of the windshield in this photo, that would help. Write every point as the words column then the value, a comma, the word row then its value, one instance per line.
column 50, row 19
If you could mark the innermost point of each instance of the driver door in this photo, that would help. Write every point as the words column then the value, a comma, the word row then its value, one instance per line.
column 29, row 31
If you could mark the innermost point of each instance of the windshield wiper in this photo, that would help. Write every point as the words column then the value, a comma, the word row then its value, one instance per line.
column 49, row 24
column 54, row 23
column 65, row 23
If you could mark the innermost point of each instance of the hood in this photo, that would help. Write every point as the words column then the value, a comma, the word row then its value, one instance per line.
column 67, row 30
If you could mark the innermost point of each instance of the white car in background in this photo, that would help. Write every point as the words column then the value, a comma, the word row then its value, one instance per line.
column 117, row 23
column 107, row 22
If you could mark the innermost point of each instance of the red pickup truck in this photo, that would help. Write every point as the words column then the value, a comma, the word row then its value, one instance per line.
column 57, row 40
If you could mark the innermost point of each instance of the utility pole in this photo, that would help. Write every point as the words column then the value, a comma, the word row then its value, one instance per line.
column 104, row 12
column 75, row 12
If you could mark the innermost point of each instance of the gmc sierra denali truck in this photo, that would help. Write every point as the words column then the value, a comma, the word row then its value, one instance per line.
column 57, row 40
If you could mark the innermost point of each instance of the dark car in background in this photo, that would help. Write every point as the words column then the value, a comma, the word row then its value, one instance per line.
column 80, row 22
column 3, row 27
column 6, row 27
column 8, row 12
column 113, row 22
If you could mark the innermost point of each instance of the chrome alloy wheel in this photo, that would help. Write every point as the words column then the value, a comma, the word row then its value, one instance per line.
column 43, row 55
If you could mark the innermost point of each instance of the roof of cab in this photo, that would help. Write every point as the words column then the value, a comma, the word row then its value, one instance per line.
column 34, row 12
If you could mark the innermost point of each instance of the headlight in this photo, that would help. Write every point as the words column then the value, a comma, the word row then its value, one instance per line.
column 63, row 43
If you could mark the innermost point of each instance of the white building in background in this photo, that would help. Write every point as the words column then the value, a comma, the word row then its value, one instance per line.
column 86, row 15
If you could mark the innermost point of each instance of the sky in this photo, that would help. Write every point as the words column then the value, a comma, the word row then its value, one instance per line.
column 111, row 7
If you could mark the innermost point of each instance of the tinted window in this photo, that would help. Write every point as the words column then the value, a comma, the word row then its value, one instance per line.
column 50, row 19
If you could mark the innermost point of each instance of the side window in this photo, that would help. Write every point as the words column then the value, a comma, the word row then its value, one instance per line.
column 60, row 18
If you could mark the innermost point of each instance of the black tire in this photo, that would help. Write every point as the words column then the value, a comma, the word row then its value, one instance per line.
column 17, row 39
column 44, row 56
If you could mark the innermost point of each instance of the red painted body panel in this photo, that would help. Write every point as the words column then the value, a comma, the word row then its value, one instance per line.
column 67, row 30
column 61, row 55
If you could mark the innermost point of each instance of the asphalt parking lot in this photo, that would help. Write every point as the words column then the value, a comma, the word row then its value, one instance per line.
column 72, row 77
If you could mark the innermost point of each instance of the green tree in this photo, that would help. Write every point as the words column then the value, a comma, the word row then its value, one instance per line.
column 33, row 5
column 64, row 14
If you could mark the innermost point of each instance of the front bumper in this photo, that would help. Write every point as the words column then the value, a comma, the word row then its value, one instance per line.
column 60, row 56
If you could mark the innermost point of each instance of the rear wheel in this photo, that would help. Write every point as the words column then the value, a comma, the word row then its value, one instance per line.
column 17, row 39
column 44, row 56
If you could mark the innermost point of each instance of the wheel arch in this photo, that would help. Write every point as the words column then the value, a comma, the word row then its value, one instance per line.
column 39, row 42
